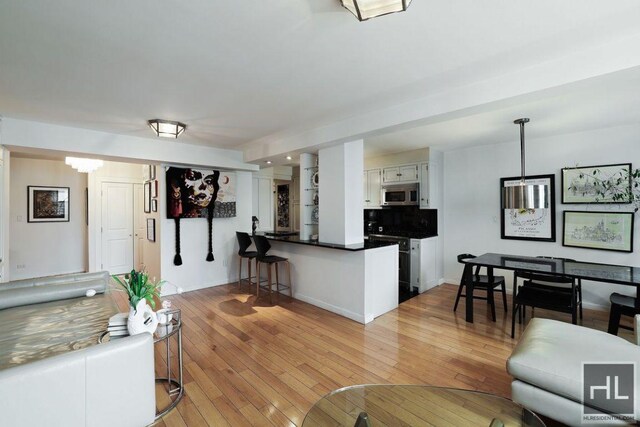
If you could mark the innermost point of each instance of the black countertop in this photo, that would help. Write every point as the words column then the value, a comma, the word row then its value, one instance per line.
column 353, row 247
column 407, row 234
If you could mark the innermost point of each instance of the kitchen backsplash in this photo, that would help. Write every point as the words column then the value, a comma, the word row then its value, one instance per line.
column 402, row 219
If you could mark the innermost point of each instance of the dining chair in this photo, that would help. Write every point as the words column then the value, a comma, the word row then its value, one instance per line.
column 546, row 291
column 263, row 246
column 566, row 285
column 621, row 305
column 244, row 241
column 484, row 283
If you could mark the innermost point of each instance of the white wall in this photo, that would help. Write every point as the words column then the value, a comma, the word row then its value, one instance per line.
column 195, row 272
column 43, row 249
column 472, row 198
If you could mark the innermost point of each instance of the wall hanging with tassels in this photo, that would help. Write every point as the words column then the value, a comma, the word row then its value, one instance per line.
column 196, row 193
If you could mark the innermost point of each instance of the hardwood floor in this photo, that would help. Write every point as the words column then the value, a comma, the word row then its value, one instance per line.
column 249, row 363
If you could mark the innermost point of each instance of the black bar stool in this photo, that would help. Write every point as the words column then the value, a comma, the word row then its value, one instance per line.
column 621, row 305
column 244, row 241
column 263, row 246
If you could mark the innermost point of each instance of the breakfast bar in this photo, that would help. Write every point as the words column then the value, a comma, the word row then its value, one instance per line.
column 358, row 281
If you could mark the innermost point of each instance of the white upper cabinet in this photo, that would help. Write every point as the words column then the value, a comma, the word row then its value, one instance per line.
column 398, row 174
column 371, row 190
column 424, row 186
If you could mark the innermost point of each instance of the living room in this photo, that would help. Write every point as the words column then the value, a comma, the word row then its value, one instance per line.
column 313, row 96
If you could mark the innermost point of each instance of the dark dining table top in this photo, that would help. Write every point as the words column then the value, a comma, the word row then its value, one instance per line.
column 619, row 274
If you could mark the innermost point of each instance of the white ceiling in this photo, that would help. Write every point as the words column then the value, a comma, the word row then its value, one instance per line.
column 237, row 72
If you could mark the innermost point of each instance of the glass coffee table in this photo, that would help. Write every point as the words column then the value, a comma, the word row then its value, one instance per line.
column 416, row 405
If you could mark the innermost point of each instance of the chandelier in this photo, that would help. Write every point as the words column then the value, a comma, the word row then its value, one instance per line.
column 84, row 165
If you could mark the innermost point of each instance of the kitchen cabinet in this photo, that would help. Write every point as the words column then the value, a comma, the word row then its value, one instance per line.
column 399, row 174
column 372, row 188
column 423, row 263
column 424, row 186
column 429, row 191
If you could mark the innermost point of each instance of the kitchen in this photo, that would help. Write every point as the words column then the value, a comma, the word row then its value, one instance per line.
column 401, row 194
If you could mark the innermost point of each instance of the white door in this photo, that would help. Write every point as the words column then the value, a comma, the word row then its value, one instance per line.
column 139, row 229
column 117, row 227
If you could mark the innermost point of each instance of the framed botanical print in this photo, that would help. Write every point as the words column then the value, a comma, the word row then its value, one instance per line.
column 147, row 197
column 587, row 184
column 47, row 204
column 609, row 231
column 530, row 224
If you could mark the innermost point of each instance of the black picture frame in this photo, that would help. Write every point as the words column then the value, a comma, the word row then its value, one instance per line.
column 151, row 175
column 600, row 233
column 147, row 197
column 151, row 229
column 48, row 204
column 549, row 217
column 588, row 171
column 154, row 205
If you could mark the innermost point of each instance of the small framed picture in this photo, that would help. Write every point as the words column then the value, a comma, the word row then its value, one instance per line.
column 154, row 189
column 151, row 229
column 47, row 204
column 154, row 205
column 582, row 185
column 609, row 231
column 147, row 197
column 152, row 172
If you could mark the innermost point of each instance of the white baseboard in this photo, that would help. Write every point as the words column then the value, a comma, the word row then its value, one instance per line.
column 332, row 308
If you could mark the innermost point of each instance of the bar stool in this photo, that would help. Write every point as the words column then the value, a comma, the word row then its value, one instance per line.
column 244, row 241
column 263, row 246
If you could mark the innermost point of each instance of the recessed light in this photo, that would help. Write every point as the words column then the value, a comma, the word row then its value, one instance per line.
column 289, row 157
column 268, row 162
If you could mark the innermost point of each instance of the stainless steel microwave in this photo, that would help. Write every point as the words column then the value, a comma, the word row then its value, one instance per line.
column 400, row 195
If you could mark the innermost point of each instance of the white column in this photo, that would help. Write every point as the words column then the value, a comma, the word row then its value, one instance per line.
column 341, row 196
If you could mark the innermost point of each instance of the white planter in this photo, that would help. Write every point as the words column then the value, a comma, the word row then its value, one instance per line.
column 141, row 319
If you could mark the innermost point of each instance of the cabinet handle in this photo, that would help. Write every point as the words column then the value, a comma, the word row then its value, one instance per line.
column 398, row 174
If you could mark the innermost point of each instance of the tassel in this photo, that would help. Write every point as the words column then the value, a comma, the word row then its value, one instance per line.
column 177, row 260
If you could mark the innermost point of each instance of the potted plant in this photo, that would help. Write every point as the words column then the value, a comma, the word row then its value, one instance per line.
column 142, row 293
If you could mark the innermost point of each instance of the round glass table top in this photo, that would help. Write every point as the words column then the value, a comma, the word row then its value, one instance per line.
column 416, row 405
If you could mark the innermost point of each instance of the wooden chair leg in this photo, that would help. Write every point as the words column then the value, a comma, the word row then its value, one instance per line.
column 491, row 302
column 614, row 319
column 269, row 278
column 504, row 297
column 455, row 306
column 290, row 284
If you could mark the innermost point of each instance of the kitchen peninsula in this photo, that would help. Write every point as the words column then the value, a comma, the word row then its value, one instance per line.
column 357, row 281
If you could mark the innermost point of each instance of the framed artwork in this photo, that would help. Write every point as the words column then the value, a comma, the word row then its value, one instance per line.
column 609, row 231
column 200, row 193
column 580, row 184
column 47, row 204
column 530, row 224
column 154, row 205
column 154, row 189
column 147, row 197
column 151, row 229
column 151, row 175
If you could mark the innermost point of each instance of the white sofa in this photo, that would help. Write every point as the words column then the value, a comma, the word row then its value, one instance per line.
column 109, row 384
column 547, row 367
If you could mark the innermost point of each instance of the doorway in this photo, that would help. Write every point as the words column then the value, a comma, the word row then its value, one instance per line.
column 122, row 228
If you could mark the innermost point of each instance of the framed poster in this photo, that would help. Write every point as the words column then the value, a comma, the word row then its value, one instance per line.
column 154, row 189
column 584, row 184
column 147, row 197
column 151, row 229
column 47, row 204
column 530, row 224
column 154, row 205
column 608, row 231
column 151, row 172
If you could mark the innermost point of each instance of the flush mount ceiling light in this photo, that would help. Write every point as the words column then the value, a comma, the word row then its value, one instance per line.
column 367, row 9
column 84, row 165
column 167, row 128
column 523, row 195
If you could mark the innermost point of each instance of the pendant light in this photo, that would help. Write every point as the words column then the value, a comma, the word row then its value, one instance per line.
column 367, row 9
column 84, row 165
column 523, row 195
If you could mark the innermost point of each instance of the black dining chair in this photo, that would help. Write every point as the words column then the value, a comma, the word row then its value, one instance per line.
column 244, row 241
column 566, row 285
column 483, row 283
column 263, row 246
column 546, row 291
column 621, row 305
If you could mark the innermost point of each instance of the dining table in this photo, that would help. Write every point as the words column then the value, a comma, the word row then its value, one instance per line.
column 597, row 272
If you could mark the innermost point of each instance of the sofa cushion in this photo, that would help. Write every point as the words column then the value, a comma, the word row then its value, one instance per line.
column 550, row 355
column 10, row 297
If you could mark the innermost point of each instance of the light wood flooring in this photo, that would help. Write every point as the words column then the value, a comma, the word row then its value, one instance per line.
column 250, row 363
